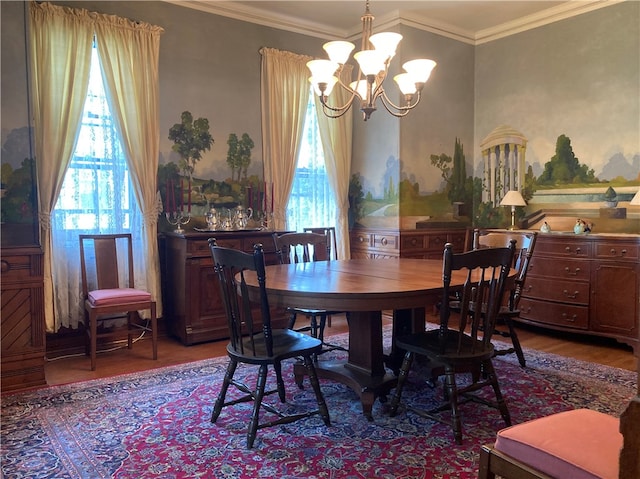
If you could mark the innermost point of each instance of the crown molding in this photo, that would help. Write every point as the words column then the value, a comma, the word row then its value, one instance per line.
column 544, row 17
column 258, row 16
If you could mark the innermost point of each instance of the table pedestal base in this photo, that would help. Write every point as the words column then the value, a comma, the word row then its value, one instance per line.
column 367, row 387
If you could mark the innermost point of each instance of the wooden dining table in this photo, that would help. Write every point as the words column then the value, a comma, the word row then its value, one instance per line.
column 364, row 288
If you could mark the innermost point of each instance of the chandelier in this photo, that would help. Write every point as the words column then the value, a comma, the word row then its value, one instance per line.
column 373, row 61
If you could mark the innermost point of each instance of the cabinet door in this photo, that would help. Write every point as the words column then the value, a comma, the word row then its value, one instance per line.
column 614, row 301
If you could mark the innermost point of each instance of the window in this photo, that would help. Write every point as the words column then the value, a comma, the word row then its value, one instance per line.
column 312, row 202
column 97, row 196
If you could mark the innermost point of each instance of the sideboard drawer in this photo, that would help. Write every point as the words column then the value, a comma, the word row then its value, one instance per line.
column 566, row 291
column 617, row 251
column 360, row 239
column 559, row 268
column 19, row 267
column 572, row 248
column 563, row 315
column 386, row 241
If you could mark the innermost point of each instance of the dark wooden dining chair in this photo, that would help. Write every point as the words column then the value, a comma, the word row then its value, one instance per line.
column 525, row 244
column 108, row 291
column 304, row 248
column 330, row 231
column 466, row 348
column 253, row 341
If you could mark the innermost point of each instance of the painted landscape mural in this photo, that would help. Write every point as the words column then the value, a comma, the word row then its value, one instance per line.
column 571, row 88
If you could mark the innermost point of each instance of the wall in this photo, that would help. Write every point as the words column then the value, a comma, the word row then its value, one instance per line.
column 580, row 78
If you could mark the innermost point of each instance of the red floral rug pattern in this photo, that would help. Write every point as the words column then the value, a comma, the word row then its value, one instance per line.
column 156, row 424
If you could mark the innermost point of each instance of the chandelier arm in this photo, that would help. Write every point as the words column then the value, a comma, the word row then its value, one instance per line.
column 401, row 110
column 327, row 110
column 344, row 107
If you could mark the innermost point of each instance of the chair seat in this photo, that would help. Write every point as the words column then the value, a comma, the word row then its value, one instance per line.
column 578, row 444
column 109, row 297
column 428, row 341
column 286, row 344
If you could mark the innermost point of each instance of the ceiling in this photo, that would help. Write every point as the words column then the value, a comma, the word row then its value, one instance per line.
column 471, row 21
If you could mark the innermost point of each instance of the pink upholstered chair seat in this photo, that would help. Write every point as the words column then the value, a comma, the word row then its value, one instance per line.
column 578, row 444
column 108, row 297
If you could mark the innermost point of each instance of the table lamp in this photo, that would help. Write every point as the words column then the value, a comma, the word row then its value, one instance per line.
column 513, row 198
column 636, row 199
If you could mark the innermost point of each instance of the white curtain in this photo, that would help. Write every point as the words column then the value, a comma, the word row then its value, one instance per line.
column 59, row 83
column 336, row 135
column 284, row 88
column 129, row 52
column 60, row 46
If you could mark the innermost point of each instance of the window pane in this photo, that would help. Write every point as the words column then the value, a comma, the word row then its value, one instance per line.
column 312, row 203
column 96, row 195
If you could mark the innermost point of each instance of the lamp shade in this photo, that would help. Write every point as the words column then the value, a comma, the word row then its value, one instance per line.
column 636, row 199
column 513, row 198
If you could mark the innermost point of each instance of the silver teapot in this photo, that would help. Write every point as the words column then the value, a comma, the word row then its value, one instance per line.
column 241, row 217
column 213, row 219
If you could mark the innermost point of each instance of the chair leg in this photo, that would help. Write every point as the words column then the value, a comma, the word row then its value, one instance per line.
column 516, row 342
column 228, row 376
column 452, row 393
column 132, row 316
column 93, row 320
column 502, row 405
column 402, row 378
column 154, row 331
column 292, row 320
column 315, row 384
column 279, row 381
column 259, row 394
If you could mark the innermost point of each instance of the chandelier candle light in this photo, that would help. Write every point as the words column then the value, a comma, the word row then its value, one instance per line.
column 373, row 61
column 513, row 198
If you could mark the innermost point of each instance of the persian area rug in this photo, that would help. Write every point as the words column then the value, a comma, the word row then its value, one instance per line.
column 156, row 424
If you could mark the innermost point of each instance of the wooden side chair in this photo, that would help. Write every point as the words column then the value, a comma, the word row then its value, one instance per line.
column 305, row 248
column 253, row 341
column 525, row 243
column 330, row 231
column 466, row 348
column 109, row 291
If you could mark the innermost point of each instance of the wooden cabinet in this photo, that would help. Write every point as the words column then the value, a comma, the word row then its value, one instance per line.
column 586, row 283
column 415, row 243
column 22, row 331
column 193, row 309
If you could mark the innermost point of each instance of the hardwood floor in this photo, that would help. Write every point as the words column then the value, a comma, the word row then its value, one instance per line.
column 171, row 351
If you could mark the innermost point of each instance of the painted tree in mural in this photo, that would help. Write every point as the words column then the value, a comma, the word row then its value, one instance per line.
column 454, row 173
column 457, row 181
column 190, row 138
column 564, row 167
column 239, row 155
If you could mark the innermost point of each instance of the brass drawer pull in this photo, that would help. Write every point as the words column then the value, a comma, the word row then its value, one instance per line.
column 572, row 296
column 575, row 273
column 571, row 319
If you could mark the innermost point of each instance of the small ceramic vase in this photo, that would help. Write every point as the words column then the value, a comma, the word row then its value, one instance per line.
column 579, row 227
column 545, row 228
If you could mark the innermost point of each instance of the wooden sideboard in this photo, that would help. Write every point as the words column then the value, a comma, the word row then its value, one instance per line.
column 585, row 283
column 22, row 331
column 193, row 309
column 410, row 243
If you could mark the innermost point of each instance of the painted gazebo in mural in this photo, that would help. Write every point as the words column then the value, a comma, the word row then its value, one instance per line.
column 503, row 152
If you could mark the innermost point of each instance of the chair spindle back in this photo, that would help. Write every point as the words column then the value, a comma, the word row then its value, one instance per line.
column 249, row 331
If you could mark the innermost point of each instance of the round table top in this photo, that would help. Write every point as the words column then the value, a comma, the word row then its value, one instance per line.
column 356, row 284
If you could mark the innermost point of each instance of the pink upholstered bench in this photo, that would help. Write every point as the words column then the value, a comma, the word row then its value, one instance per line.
column 578, row 444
